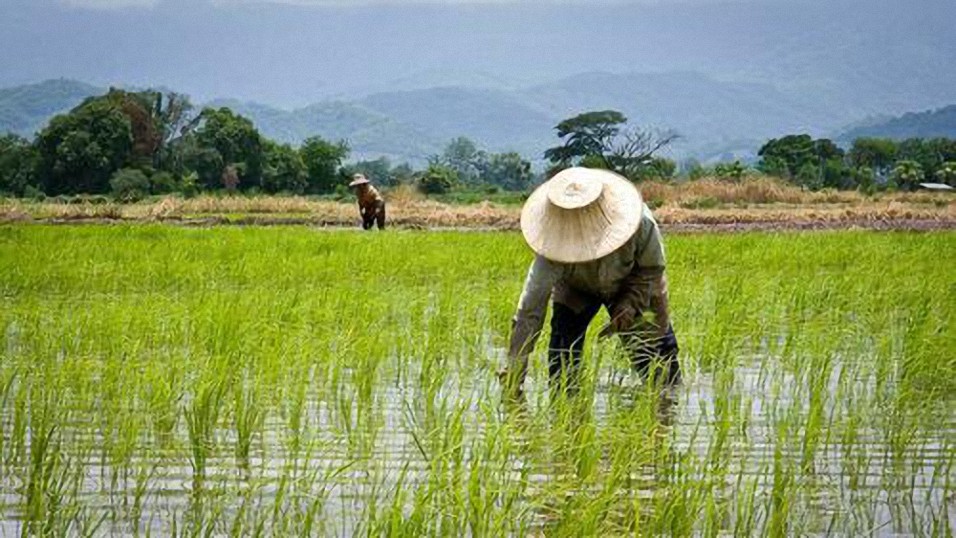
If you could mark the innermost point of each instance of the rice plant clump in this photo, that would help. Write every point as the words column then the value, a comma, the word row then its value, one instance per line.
column 289, row 381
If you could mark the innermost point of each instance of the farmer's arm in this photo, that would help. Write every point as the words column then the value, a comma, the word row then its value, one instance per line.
column 529, row 319
column 645, row 289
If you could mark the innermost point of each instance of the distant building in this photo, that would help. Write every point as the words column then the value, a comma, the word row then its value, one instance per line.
column 936, row 187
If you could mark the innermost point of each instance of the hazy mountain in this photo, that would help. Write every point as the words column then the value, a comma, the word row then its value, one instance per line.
column 713, row 117
column 369, row 133
column 26, row 109
column 929, row 124
column 716, row 119
column 854, row 58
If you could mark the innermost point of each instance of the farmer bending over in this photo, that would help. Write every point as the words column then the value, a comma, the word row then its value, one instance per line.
column 596, row 244
column 370, row 202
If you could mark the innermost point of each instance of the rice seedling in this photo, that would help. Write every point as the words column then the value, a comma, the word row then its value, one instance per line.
column 287, row 381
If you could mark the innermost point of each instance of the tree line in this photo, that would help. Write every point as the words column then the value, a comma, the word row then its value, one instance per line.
column 133, row 144
column 603, row 139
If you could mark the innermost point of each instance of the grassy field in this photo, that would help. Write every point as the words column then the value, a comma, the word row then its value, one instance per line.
column 291, row 381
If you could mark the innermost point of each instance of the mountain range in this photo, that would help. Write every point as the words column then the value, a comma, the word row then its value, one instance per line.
column 716, row 119
column 939, row 123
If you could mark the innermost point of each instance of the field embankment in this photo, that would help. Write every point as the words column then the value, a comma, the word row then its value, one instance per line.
column 700, row 205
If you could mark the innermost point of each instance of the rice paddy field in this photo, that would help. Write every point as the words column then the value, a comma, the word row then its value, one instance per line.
column 289, row 381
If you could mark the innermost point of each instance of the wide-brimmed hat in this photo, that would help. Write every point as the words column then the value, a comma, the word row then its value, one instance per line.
column 581, row 214
column 358, row 179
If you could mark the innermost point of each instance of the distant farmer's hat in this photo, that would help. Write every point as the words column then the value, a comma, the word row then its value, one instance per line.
column 581, row 214
column 358, row 179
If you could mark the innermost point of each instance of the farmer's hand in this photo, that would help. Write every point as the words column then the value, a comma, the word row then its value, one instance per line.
column 511, row 390
column 622, row 320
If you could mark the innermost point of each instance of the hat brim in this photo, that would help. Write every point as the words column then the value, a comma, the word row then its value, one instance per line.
column 587, row 233
column 358, row 182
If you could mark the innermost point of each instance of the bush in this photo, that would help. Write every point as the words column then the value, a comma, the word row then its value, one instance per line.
column 189, row 185
column 33, row 193
column 730, row 171
column 437, row 179
column 162, row 183
column 129, row 185
column 947, row 173
column 907, row 174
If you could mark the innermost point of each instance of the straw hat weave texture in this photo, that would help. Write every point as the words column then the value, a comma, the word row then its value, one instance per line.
column 580, row 215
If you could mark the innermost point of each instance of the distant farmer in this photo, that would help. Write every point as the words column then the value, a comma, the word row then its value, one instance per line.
column 370, row 201
column 596, row 244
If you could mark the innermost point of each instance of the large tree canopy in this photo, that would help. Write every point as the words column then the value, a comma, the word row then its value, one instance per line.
column 808, row 162
column 322, row 160
column 587, row 134
column 80, row 151
column 17, row 163
column 236, row 141
column 600, row 139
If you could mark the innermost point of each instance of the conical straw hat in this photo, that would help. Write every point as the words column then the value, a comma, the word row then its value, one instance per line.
column 358, row 179
column 581, row 214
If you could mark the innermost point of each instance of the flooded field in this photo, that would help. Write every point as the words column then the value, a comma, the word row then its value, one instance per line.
column 288, row 381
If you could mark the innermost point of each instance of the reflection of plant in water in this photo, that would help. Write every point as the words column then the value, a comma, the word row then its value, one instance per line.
column 339, row 384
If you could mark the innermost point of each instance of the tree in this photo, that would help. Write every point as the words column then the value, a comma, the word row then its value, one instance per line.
column 693, row 169
column 947, row 173
column 788, row 154
column 944, row 148
column 836, row 175
column 78, row 152
column 876, row 153
column 176, row 122
column 865, row 179
column 322, row 160
column 129, row 185
column 173, row 112
column 283, row 170
column 163, row 182
column 792, row 156
column 632, row 155
column 17, row 165
column 378, row 170
column 658, row 168
column 402, row 173
column 205, row 163
column 437, row 179
column 808, row 176
column 590, row 133
column 230, row 178
column 598, row 139
column 733, row 171
column 235, row 139
column 825, row 149
column 462, row 156
column 775, row 166
column 907, row 174
column 508, row 171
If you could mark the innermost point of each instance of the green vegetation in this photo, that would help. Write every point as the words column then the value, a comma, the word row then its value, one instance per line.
column 817, row 164
column 288, row 381
column 599, row 139
column 103, row 145
column 132, row 144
